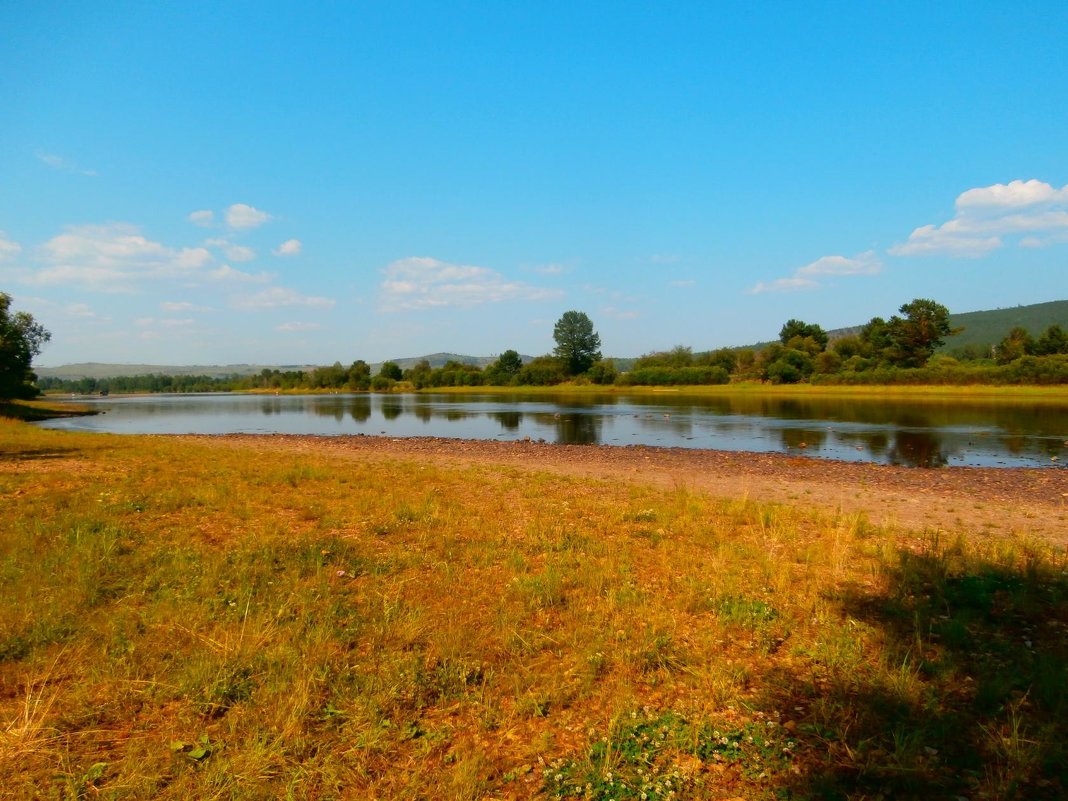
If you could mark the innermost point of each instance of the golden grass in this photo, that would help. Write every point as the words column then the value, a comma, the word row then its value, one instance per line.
column 1007, row 393
column 195, row 620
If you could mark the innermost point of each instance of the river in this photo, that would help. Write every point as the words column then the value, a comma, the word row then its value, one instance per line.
column 914, row 432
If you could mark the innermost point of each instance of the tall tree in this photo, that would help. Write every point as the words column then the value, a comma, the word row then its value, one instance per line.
column 577, row 344
column 917, row 335
column 21, row 338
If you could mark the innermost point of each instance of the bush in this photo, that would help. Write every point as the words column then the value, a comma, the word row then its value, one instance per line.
column 674, row 376
column 542, row 372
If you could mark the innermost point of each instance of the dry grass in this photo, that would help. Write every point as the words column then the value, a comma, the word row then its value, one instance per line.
column 180, row 620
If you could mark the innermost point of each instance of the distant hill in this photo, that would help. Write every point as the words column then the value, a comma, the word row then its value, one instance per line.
column 104, row 370
column 979, row 328
column 990, row 327
column 100, row 370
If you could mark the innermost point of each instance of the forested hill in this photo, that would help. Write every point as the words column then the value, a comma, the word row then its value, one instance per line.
column 991, row 326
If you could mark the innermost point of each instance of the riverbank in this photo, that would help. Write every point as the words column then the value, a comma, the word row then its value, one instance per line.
column 1027, row 392
column 965, row 393
column 358, row 617
column 34, row 411
column 978, row 501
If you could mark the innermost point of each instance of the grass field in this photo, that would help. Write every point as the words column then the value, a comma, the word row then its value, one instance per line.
column 1001, row 394
column 185, row 620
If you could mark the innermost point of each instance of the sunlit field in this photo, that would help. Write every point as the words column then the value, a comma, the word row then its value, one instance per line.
column 185, row 620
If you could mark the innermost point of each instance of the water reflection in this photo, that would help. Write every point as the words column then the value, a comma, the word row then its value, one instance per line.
column 578, row 429
column 510, row 421
column 802, row 438
column 918, row 449
column 920, row 433
column 391, row 407
column 360, row 409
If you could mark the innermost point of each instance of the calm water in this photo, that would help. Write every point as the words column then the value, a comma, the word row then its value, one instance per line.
column 928, row 433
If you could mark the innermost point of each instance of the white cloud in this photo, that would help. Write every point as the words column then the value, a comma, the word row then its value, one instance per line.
column 204, row 218
column 620, row 314
column 866, row 263
column 227, row 273
column 182, row 306
column 240, row 215
column 289, row 327
column 928, row 240
column 276, row 296
column 783, row 285
column 291, row 247
column 240, row 253
column 62, row 164
column 989, row 216
column 1013, row 195
column 551, row 269
column 426, row 283
column 79, row 310
column 1044, row 241
column 8, row 248
column 168, row 322
column 112, row 258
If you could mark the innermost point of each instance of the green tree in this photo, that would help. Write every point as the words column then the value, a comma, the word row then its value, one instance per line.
column 21, row 338
column 797, row 329
column 503, row 371
column 420, row 375
column 541, row 371
column 876, row 339
column 577, row 344
column 603, row 372
column 1053, row 340
column 391, row 371
column 725, row 358
column 1018, row 343
column 916, row 335
column 359, row 377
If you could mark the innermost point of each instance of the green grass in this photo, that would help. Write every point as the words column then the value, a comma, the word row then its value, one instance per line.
column 187, row 619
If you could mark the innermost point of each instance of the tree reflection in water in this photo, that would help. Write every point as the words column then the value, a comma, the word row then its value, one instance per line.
column 577, row 429
column 917, row 449
column 510, row 421
column 360, row 408
column 392, row 408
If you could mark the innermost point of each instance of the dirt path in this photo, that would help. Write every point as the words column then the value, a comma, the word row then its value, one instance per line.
column 991, row 501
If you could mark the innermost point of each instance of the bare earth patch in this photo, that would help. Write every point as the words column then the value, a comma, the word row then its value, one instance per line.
column 972, row 500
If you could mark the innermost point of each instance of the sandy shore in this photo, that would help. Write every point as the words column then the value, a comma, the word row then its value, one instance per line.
column 976, row 501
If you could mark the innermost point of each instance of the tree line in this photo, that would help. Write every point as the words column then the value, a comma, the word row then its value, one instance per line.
column 900, row 350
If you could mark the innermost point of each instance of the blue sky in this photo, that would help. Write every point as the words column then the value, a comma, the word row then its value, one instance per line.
column 304, row 183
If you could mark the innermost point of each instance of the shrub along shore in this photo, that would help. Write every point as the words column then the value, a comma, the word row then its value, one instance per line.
column 196, row 618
